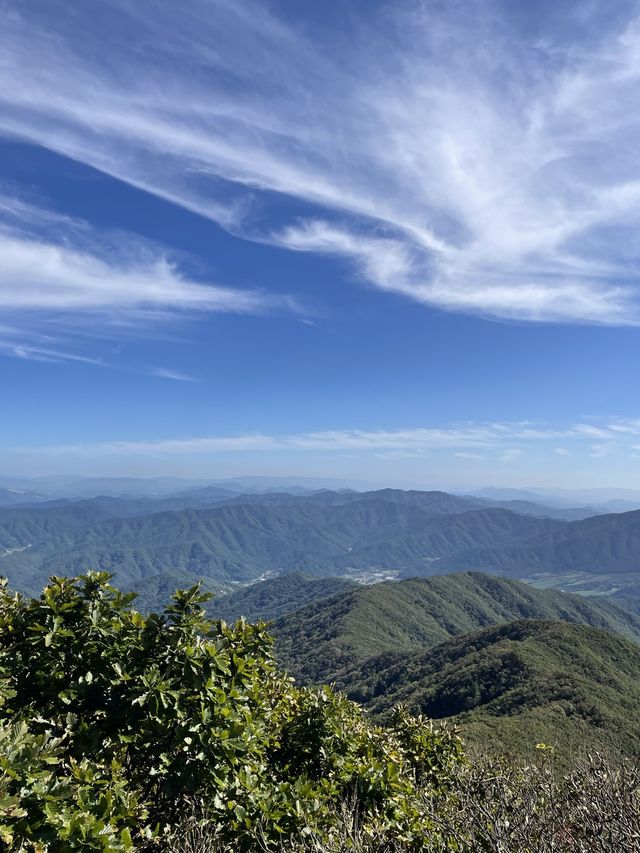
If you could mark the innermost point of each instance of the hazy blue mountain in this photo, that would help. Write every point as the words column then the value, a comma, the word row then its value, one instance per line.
column 599, row 496
column 621, row 505
column 73, row 486
column 496, row 493
column 263, row 483
column 605, row 544
column 18, row 497
column 602, row 499
column 540, row 510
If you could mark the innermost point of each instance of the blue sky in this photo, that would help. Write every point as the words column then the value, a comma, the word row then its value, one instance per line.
column 389, row 241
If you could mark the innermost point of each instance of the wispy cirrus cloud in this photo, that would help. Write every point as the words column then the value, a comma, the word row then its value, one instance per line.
column 169, row 373
column 599, row 451
column 491, row 441
column 43, row 276
column 465, row 454
column 61, row 281
column 511, row 454
column 448, row 156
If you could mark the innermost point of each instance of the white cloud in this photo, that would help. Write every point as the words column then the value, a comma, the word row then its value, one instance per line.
column 511, row 454
column 594, row 431
column 478, row 174
column 629, row 427
column 399, row 455
column 399, row 266
column 12, row 342
column 501, row 452
column 41, row 276
column 169, row 373
column 56, row 270
column 469, row 440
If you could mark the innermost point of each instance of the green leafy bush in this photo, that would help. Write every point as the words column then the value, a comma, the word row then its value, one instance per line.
column 112, row 723
column 490, row 806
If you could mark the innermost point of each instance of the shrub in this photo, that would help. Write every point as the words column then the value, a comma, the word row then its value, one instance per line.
column 113, row 723
column 491, row 806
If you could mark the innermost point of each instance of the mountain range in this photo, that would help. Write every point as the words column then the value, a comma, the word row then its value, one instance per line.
column 608, row 543
column 231, row 538
column 479, row 647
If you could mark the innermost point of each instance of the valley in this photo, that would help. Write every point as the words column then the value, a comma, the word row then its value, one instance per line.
column 232, row 539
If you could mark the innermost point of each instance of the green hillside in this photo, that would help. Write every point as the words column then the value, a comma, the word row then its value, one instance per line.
column 328, row 535
column 171, row 732
column 319, row 641
column 511, row 686
column 358, row 535
column 272, row 599
column 629, row 600
column 601, row 544
column 260, row 601
column 154, row 591
column 120, row 732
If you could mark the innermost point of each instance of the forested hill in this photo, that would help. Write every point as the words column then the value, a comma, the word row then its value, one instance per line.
column 604, row 543
column 316, row 643
column 171, row 732
column 367, row 536
column 276, row 597
column 573, row 686
column 330, row 535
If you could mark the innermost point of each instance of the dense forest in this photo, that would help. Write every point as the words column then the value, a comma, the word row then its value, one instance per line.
column 318, row 641
column 154, row 545
column 573, row 686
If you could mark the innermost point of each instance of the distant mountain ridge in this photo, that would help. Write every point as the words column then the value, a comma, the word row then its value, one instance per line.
column 600, row 500
column 329, row 533
column 230, row 538
column 19, row 497
column 609, row 543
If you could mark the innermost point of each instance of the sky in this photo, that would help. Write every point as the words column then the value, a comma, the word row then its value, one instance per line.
column 388, row 241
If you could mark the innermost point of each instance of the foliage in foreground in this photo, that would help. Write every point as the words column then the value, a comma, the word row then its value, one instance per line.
column 112, row 723
column 491, row 807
